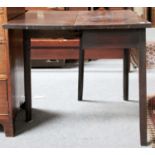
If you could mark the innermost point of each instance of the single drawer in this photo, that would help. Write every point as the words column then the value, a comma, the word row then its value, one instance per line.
column 110, row 38
column 3, row 59
column 4, row 108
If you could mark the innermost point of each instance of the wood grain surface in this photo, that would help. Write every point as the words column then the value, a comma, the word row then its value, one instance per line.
column 63, row 20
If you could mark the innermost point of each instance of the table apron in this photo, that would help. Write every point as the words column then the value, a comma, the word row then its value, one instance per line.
column 127, row 38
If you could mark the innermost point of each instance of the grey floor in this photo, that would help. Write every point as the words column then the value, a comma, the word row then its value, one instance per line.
column 103, row 119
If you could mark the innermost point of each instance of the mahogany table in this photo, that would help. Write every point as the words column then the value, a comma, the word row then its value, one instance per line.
column 96, row 29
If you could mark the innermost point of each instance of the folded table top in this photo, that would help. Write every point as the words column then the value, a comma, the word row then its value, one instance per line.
column 78, row 20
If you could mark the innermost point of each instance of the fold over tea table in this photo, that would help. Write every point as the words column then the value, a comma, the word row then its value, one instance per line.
column 96, row 29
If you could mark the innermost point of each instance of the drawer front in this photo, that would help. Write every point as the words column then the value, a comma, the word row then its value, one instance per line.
column 4, row 109
column 3, row 59
column 110, row 38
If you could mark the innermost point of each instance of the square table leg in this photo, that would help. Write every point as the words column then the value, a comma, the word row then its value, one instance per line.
column 126, row 64
column 27, row 74
column 142, row 88
column 81, row 71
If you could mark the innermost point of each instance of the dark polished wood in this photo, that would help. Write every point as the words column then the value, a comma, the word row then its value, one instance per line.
column 56, row 20
column 81, row 70
column 107, row 38
column 27, row 74
column 142, row 86
column 112, row 19
column 78, row 20
column 126, row 63
column 106, row 29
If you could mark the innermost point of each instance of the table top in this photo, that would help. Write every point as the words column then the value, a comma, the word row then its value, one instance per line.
column 78, row 20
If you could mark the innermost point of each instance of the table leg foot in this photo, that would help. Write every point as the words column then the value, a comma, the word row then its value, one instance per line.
column 79, row 98
column 28, row 115
column 144, row 142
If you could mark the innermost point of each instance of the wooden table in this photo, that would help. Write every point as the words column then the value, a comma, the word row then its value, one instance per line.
column 96, row 29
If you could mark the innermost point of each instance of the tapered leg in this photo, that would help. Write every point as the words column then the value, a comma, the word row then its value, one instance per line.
column 126, row 63
column 142, row 88
column 81, row 72
column 27, row 75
